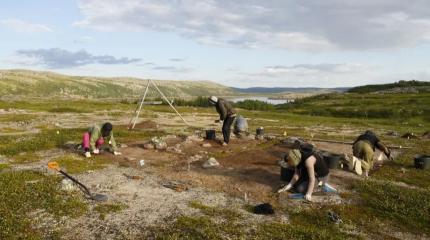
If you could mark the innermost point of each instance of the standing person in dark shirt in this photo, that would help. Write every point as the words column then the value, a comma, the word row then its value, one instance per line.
column 364, row 149
column 226, row 114
column 311, row 168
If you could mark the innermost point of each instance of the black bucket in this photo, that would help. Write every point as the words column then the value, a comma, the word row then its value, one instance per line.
column 260, row 131
column 287, row 174
column 210, row 134
column 422, row 161
column 332, row 160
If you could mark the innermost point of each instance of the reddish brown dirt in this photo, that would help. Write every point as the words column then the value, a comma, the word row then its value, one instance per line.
column 247, row 166
column 148, row 124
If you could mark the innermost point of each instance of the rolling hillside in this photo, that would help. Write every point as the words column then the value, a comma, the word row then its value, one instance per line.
column 402, row 86
column 25, row 83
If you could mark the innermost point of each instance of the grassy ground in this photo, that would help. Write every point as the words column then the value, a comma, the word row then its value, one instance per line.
column 380, row 211
column 23, row 193
column 375, row 206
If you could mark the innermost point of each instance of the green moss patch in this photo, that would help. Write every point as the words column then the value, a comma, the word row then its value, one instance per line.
column 24, row 192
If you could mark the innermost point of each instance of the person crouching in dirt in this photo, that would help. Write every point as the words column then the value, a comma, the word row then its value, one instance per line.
column 364, row 148
column 226, row 114
column 311, row 168
column 96, row 136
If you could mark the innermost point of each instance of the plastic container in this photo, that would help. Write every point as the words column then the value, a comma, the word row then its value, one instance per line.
column 422, row 161
column 260, row 131
column 287, row 174
column 210, row 134
column 332, row 160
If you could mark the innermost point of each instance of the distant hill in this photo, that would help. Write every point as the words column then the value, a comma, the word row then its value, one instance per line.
column 286, row 90
column 17, row 83
column 402, row 86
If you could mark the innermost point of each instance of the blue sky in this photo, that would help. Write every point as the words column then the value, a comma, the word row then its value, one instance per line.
column 240, row 43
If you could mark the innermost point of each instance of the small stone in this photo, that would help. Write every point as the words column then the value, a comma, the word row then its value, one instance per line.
column 211, row 163
column 206, row 145
column 259, row 137
column 129, row 158
column 148, row 146
column 67, row 185
column 270, row 137
column 194, row 138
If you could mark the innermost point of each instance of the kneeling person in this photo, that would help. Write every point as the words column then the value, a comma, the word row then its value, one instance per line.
column 311, row 168
column 96, row 136
column 364, row 149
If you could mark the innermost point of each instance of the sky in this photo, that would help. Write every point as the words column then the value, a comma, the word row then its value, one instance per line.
column 241, row 43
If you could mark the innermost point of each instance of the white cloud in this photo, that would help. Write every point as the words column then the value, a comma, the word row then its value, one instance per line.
column 19, row 25
column 60, row 58
column 299, row 25
column 172, row 69
column 308, row 69
column 309, row 75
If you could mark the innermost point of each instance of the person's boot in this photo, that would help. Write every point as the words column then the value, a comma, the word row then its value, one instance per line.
column 87, row 154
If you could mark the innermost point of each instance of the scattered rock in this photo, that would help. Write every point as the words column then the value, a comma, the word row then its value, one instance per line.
column 159, row 143
column 211, row 163
column 291, row 141
column 334, row 217
column 195, row 158
column 133, row 177
column 251, row 136
column 123, row 145
column 72, row 145
column 174, row 149
column 259, row 137
column 270, row 137
column 409, row 136
column 177, row 186
column 148, row 146
column 67, row 185
column 170, row 137
column 206, row 145
column 194, row 138
column 129, row 158
column 393, row 133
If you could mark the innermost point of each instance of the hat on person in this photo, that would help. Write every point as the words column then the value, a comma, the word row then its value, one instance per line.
column 213, row 99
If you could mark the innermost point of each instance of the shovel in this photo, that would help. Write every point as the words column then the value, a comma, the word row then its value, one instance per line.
column 96, row 197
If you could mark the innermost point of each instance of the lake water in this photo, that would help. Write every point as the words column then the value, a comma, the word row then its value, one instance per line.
column 263, row 99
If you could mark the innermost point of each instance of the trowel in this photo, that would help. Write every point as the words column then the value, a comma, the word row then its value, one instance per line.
column 93, row 196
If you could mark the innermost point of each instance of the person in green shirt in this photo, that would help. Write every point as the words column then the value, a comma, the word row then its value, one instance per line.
column 96, row 136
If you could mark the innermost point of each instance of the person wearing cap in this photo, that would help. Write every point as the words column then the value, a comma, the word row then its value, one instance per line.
column 226, row 114
column 363, row 150
column 96, row 136
column 311, row 168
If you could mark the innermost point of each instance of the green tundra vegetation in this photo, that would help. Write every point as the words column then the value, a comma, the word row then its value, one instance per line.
column 376, row 204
